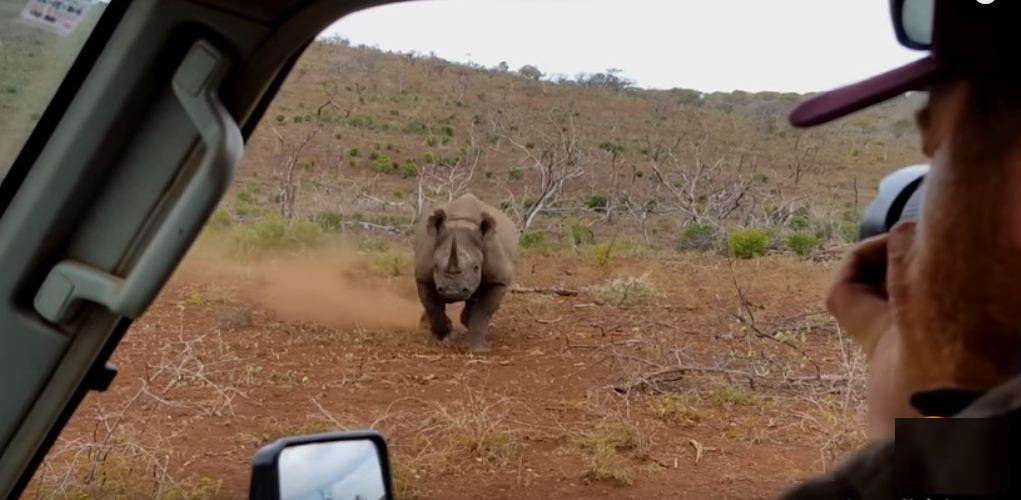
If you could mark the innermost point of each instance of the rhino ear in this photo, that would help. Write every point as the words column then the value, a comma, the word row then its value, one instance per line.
column 487, row 225
column 436, row 221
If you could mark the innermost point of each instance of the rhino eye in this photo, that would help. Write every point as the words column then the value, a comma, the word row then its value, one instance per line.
column 476, row 268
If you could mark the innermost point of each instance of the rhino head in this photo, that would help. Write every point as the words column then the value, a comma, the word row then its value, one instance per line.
column 458, row 254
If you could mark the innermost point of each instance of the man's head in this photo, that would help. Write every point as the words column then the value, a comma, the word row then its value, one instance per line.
column 965, row 255
column 458, row 255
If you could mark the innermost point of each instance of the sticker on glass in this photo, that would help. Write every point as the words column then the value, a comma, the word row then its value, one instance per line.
column 61, row 16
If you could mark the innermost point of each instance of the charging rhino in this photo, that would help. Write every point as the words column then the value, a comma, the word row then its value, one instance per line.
column 465, row 251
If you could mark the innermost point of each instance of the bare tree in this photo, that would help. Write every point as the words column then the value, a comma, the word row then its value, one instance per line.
column 557, row 161
column 615, row 150
column 706, row 192
column 287, row 170
column 449, row 178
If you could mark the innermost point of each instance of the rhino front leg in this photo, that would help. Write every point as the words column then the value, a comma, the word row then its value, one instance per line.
column 486, row 303
column 466, row 313
column 435, row 310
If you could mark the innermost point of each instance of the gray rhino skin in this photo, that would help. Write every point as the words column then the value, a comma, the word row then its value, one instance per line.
column 465, row 251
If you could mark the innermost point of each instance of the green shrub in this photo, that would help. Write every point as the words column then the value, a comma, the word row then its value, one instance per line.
column 528, row 203
column 803, row 244
column 408, row 169
column 221, row 219
column 416, row 127
column 534, row 240
column 328, row 221
column 516, row 174
column 748, row 243
column 603, row 253
column 798, row 222
column 361, row 121
column 699, row 238
column 597, row 202
column 849, row 231
column 384, row 165
column 245, row 196
column 355, row 152
column 273, row 234
column 578, row 233
column 370, row 245
column 429, row 158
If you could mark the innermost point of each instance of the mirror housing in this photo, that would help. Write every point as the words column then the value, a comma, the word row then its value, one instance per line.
column 913, row 22
column 356, row 464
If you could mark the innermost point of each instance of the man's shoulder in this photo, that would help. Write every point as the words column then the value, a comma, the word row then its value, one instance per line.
column 969, row 451
column 867, row 474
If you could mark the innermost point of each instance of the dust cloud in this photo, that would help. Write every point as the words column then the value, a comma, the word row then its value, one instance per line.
column 336, row 287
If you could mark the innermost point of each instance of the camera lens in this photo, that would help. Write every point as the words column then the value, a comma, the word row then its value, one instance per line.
column 900, row 199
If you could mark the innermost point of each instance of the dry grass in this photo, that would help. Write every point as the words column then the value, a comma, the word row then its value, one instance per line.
column 625, row 291
column 678, row 409
column 127, row 455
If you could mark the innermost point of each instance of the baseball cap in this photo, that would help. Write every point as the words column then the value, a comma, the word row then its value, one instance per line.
column 966, row 35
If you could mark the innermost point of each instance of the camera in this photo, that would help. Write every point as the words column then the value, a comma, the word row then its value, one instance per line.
column 899, row 200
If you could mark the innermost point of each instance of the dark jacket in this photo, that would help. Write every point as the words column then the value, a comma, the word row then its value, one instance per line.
column 969, row 453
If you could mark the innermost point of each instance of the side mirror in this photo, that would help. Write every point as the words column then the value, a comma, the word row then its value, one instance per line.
column 340, row 465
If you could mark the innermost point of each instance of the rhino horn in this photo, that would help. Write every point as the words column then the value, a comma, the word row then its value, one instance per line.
column 452, row 264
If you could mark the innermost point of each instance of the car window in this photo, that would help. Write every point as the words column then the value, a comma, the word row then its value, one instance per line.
column 39, row 40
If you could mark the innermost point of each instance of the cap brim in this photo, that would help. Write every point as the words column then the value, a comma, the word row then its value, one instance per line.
column 846, row 100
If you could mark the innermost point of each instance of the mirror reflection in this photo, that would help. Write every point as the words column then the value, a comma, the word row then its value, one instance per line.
column 917, row 18
column 338, row 470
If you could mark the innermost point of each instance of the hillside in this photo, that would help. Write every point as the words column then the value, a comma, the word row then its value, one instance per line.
column 365, row 129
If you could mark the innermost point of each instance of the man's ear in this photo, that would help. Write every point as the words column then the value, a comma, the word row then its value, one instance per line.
column 487, row 225
column 436, row 221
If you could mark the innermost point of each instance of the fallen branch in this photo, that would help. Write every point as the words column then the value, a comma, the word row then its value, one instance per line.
column 659, row 376
column 543, row 321
column 563, row 292
column 378, row 227
column 748, row 320
column 698, row 449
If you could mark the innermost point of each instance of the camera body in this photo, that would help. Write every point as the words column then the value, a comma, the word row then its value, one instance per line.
column 899, row 200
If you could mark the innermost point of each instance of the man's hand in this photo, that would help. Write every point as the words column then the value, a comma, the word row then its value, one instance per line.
column 870, row 284
column 858, row 298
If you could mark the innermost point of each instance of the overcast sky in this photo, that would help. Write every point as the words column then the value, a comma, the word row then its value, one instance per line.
column 709, row 45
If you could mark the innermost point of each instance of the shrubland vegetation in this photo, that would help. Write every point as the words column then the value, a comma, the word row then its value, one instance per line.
column 362, row 139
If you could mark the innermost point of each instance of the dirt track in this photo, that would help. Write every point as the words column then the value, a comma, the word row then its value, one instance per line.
column 234, row 356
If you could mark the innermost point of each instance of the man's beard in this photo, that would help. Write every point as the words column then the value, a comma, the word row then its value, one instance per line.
column 961, row 324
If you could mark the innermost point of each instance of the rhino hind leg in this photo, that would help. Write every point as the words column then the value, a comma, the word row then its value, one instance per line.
column 486, row 303
column 435, row 311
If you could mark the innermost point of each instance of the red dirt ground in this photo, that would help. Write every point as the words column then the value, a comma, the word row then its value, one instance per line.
column 236, row 355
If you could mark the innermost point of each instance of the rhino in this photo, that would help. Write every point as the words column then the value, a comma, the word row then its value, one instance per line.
column 465, row 251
